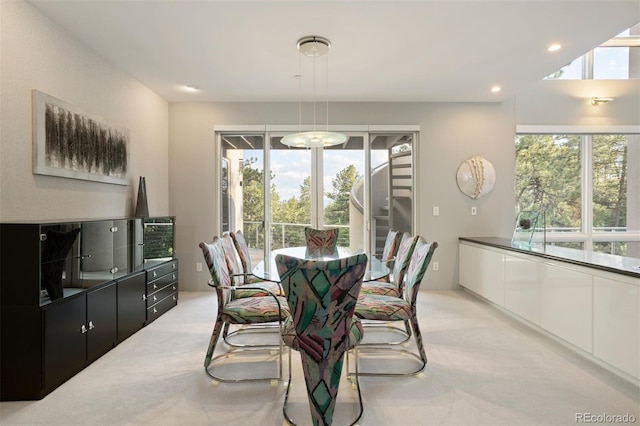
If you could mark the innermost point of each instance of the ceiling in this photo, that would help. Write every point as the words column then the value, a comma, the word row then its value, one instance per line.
column 434, row 51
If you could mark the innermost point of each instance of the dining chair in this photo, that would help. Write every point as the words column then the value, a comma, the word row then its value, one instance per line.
column 390, row 249
column 242, row 311
column 386, row 308
column 321, row 296
column 321, row 240
column 245, row 287
column 393, row 286
column 242, row 249
column 239, row 274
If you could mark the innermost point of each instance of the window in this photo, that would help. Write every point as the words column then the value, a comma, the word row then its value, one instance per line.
column 616, row 59
column 272, row 192
column 585, row 187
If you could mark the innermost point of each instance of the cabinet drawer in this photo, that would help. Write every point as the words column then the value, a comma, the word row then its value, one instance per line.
column 162, row 282
column 163, row 306
column 161, row 270
column 162, row 294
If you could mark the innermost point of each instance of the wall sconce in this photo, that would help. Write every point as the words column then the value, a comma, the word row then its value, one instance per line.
column 598, row 101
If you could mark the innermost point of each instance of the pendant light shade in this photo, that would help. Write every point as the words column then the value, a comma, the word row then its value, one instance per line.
column 315, row 139
column 313, row 47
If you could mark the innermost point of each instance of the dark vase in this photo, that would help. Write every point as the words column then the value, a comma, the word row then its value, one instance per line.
column 142, row 209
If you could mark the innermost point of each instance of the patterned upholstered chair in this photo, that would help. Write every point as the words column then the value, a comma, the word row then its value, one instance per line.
column 394, row 285
column 321, row 241
column 248, row 310
column 389, row 308
column 322, row 296
column 390, row 249
column 239, row 274
column 245, row 287
column 245, row 257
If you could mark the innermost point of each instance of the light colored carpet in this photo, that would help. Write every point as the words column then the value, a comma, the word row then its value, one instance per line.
column 484, row 369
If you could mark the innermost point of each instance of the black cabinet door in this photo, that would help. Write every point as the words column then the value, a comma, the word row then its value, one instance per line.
column 131, row 304
column 102, row 321
column 65, row 341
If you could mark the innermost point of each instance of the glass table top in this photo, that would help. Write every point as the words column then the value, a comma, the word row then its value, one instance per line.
column 268, row 270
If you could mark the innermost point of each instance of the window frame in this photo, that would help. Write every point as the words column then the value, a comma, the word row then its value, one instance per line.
column 587, row 236
column 629, row 38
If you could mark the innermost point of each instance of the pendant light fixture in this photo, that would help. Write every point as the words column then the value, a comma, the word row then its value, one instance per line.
column 314, row 47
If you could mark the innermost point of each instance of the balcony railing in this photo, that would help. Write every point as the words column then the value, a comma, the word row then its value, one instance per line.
column 285, row 234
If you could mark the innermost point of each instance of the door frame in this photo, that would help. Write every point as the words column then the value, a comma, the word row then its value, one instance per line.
column 317, row 218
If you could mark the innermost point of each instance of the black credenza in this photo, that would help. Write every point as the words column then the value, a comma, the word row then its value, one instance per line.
column 72, row 290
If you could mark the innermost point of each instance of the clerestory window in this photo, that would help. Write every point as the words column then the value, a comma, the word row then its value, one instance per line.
column 616, row 59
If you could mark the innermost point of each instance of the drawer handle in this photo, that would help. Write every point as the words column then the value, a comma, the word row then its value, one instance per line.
column 144, row 297
column 175, row 298
column 174, row 287
column 155, row 286
column 155, row 311
column 91, row 326
column 155, row 299
column 174, row 276
column 173, row 265
column 83, row 329
column 155, row 274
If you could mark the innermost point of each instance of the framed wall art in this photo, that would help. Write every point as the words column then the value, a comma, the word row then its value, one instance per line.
column 69, row 143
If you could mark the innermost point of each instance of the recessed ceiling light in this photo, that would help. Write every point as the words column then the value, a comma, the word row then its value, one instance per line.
column 554, row 47
column 495, row 89
column 191, row 88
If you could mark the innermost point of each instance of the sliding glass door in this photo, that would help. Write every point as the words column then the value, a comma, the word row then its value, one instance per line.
column 291, row 194
column 364, row 187
column 243, row 200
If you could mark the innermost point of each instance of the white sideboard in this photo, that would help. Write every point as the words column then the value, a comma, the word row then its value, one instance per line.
column 594, row 308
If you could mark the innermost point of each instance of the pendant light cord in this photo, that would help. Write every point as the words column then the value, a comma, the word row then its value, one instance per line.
column 314, row 93
column 300, row 91
column 327, row 89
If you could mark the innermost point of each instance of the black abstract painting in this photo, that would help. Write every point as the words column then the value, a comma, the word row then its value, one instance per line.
column 71, row 144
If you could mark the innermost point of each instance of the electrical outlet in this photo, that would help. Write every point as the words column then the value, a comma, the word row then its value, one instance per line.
column 474, row 211
column 198, row 267
column 436, row 211
column 436, row 266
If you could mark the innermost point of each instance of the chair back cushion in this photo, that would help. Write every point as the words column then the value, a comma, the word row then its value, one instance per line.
column 391, row 245
column 234, row 263
column 322, row 296
column 420, row 259
column 243, row 250
column 216, row 262
column 407, row 244
column 321, row 239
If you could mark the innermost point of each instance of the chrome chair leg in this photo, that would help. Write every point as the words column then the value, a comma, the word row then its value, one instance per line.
column 421, row 356
column 210, row 360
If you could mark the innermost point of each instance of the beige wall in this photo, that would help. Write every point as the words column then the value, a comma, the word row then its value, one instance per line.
column 37, row 54
column 450, row 133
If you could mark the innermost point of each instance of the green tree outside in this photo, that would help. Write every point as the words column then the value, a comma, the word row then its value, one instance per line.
column 295, row 210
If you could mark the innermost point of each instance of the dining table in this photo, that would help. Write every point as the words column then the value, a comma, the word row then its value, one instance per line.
column 267, row 270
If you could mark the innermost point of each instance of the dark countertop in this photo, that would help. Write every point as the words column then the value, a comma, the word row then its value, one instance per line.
column 607, row 262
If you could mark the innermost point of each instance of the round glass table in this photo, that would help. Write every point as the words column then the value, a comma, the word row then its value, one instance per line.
column 268, row 270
